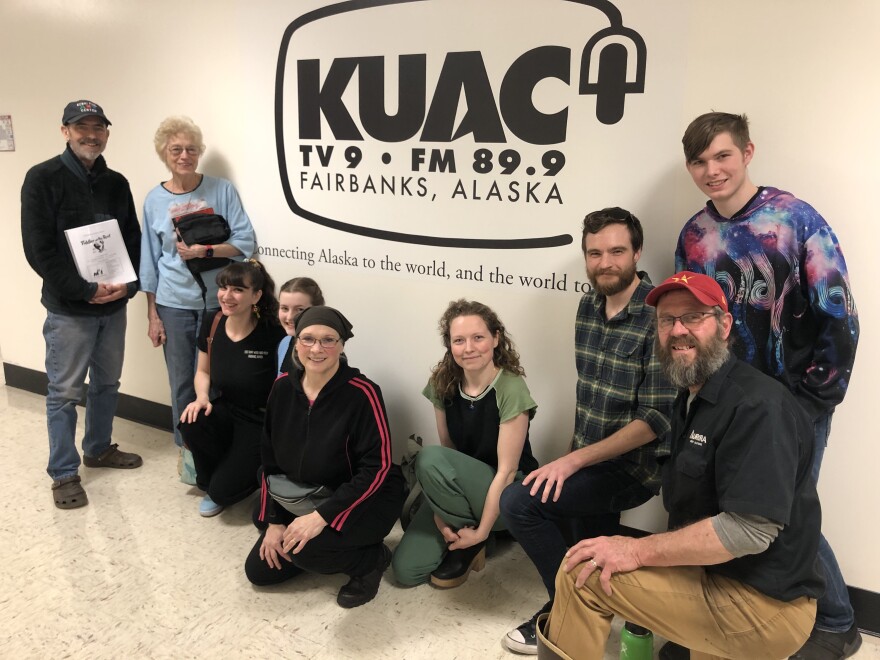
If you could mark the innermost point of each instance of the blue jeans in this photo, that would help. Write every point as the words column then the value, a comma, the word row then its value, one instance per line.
column 834, row 613
column 181, row 357
column 76, row 345
column 590, row 503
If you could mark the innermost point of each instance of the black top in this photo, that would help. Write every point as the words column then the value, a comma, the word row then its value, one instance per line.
column 746, row 447
column 473, row 422
column 242, row 371
column 341, row 440
column 61, row 194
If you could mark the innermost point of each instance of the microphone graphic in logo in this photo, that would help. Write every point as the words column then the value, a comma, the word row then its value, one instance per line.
column 606, row 76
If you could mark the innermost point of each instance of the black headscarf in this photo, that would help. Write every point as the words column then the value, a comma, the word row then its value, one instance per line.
column 323, row 315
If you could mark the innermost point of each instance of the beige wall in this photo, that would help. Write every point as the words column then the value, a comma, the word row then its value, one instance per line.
column 797, row 68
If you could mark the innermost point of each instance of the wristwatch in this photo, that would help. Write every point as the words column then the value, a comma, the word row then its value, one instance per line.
column 209, row 250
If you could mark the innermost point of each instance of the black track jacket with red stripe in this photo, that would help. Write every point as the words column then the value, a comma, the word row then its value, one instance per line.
column 342, row 441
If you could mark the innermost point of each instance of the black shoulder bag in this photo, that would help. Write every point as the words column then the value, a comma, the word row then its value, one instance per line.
column 203, row 229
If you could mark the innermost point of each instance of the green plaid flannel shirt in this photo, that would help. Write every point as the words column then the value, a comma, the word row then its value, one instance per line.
column 620, row 380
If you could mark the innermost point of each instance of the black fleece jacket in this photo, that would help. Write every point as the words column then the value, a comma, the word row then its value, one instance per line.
column 341, row 441
column 61, row 194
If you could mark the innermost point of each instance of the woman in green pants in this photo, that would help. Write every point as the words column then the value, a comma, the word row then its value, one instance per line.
column 483, row 410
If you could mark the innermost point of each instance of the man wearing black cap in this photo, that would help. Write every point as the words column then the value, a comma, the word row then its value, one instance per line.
column 736, row 576
column 85, row 321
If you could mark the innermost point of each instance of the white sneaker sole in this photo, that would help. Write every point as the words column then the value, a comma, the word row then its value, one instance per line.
column 519, row 647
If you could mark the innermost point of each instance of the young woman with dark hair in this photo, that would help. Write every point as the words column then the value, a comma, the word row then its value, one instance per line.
column 235, row 372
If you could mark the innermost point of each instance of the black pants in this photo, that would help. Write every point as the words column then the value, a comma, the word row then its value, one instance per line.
column 226, row 451
column 354, row 551
column 589, row 506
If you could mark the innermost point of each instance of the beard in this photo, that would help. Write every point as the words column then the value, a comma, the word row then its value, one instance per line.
column 86, row 150
column 624, row 279
column 710, row 358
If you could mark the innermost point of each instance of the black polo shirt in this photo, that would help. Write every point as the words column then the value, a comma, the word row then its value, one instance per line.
column 746, row 446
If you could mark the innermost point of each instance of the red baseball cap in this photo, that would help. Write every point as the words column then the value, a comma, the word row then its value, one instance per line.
column 702, row 287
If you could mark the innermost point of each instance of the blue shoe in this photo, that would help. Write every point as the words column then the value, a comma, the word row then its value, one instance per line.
column 209, row 507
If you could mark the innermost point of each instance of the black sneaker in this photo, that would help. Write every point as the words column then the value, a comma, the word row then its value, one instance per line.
column 673, row 651
column 362, row 589
column 524, row 639
column 822, row 645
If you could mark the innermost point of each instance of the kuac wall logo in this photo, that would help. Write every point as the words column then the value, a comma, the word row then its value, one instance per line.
column 444, row 122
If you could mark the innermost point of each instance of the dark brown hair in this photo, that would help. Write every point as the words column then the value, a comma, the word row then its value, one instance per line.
column 304, row 285
column 597, row 221
column 702, row 130
column 251, row 274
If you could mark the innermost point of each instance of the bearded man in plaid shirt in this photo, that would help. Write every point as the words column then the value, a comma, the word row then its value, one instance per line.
column 622, row 418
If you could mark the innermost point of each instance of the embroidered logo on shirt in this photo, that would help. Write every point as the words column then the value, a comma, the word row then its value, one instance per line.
column 697, row 439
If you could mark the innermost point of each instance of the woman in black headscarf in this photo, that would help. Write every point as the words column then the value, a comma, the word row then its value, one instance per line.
column 327, row 431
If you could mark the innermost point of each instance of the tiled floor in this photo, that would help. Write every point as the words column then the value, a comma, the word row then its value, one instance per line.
column 138, row 574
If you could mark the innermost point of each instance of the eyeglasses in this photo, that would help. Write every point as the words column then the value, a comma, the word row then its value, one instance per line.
column 690, row 320
column 190, row 151
column 326, row 342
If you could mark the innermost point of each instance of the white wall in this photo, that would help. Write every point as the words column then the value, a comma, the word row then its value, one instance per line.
column 797, row 69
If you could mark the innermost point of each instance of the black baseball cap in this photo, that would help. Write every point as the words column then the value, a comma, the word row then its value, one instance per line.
column 76, row 110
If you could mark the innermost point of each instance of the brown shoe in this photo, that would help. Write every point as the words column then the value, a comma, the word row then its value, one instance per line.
column 68, row 493
column 113, row 458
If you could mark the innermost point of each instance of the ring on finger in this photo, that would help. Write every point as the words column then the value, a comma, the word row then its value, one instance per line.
column 593, row 562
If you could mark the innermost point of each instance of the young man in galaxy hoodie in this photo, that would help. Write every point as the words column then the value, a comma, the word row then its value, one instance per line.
column 794, row 318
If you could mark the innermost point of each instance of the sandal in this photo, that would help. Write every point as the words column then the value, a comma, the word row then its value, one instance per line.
column 68, row 493
column 113, row 458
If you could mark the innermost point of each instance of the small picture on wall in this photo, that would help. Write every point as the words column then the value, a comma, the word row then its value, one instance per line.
column 7, row 138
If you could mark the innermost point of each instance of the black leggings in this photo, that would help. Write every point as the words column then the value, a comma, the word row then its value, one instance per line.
column 354, row 551
column 226, row 452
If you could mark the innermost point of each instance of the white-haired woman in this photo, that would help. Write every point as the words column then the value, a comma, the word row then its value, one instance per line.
column 175, row 301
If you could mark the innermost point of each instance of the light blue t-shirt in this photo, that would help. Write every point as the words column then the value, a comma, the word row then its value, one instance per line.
column 162, row 271
column 283, row 345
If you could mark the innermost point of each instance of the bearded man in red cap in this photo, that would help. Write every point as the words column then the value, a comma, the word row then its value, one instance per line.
column 736, row 574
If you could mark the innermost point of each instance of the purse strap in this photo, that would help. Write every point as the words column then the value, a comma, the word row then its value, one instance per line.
column 202, row 287
column 214, row 325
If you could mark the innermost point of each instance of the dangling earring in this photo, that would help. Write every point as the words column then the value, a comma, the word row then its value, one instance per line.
column 256, row 311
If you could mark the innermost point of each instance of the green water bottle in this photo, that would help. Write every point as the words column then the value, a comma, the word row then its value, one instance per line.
column 636, row 643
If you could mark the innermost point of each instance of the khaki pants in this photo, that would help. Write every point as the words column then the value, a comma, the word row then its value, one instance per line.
column 714, row 616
